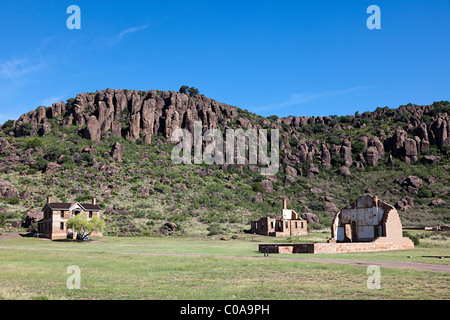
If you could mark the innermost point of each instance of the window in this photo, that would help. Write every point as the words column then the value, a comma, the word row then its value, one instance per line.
column 90, row 214
column 302, row 224
column 296, row 226
column 287, row 225
column 272, row 224
column 61, row 226
column 62, row 213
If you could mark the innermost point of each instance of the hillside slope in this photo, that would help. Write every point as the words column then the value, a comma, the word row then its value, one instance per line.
column 115, row 145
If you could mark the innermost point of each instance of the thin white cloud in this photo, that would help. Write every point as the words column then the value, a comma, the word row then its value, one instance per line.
column 125, row 32
column 131, row 30
column 300, row 98
column 16, row 68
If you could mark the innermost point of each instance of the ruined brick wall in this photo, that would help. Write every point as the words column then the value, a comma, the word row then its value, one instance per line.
column 262, row 226
column 381, row 244
column 298, row 228
column 365, row 220
column 279, row 228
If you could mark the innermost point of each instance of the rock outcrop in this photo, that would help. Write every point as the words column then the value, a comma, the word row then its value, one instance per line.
column 141, row 115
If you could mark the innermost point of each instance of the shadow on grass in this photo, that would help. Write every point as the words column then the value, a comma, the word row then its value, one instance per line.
column 27, row 235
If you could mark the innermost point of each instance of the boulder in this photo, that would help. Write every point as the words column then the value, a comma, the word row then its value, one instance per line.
column 405, row 203
column 397, row 142
column 258, row 197
column 325, row 157
column 289, row 181
column 7, row 190
column 313, row 171
column 346, row 154
column 92, row 131
column 371, row 156
column 310, row 217
column 315, row 190
column 291, row 171
column 375, row 142
column 117, row 151
column 437, row 202
column 330, row 208
column 431, row 160
column 268, row 186
column 170, row 226
column 413, row 181
column 344, row 171
column 4, row 146
column 44, row 128
column 411, row 151
column 52, row 167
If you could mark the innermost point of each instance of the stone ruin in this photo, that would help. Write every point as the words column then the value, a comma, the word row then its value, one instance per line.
column 366, row 225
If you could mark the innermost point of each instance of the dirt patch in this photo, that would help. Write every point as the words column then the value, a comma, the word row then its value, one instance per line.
column 9, row 235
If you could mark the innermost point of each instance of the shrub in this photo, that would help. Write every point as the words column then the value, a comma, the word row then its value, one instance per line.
column 83, row 198
column 8, row 126
column 14, row 200
column 214, row 229
column 257, row 187
column 414, row 238
column 425, row 193
column 358, row 147
column 316, row 206
column 35, row 142
column 319, row 128
column 40, row 164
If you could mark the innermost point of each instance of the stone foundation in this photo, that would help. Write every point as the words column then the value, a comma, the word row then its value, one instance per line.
column 379, row 244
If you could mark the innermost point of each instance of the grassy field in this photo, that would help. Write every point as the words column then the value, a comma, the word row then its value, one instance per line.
column 205, row 268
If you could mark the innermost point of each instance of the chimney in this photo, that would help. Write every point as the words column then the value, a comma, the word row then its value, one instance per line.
column 284, row 204
column 49, row 199
column 94, row 200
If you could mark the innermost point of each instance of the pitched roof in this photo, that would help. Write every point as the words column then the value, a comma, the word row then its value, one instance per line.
column 59, row 206
column 90, row 207
column 67, row 206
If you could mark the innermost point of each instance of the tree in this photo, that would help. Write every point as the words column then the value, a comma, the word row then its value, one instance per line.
column 184, row 89
column 84, row 227
column 193, row 91
column 189, row 90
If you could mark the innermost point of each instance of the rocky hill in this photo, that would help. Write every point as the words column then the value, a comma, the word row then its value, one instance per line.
column 115, row 144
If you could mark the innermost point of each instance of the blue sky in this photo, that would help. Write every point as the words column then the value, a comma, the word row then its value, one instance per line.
column 270, row 57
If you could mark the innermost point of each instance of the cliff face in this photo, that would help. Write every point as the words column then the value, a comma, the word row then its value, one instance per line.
column 405, row 132
column 128, row 113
